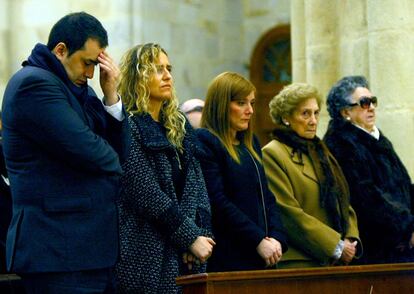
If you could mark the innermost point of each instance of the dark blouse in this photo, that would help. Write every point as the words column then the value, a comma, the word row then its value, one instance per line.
column 244, row 210
column 177, row 165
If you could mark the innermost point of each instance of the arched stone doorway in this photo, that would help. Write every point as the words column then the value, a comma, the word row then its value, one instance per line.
column 270, row 70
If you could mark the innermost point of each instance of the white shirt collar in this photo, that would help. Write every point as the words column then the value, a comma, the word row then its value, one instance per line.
column 375, row 132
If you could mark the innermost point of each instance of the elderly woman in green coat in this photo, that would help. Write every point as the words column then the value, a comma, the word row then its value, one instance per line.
column 311, row 189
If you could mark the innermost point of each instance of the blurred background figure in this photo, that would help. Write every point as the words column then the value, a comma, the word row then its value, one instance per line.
column 309, row 184
column 193, row 109
column 381, row 189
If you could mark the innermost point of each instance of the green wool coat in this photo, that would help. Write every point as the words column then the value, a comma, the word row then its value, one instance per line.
column 293, row 181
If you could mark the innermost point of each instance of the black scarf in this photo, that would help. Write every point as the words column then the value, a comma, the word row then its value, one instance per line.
column 43, row 58
column 334, row 192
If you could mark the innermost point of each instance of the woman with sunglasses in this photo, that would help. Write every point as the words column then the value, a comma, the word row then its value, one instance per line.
column 381, row 190
column 311, row 189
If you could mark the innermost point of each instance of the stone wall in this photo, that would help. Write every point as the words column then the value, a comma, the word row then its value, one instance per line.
column 203, row 38
column 5, row 54
column 259, row 18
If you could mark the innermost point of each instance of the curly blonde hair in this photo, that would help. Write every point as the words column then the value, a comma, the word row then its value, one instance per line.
column 137, row 68
column 284, row 103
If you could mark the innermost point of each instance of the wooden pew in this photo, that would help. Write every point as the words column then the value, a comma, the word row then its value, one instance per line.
column 367, row 279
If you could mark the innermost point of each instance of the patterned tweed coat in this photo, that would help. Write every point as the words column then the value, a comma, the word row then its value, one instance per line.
column 155, row 227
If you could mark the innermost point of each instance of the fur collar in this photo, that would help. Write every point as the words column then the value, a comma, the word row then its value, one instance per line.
column 352, row 134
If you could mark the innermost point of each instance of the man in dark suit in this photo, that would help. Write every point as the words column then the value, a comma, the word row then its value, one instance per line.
column 5, row 207
column 63, row 148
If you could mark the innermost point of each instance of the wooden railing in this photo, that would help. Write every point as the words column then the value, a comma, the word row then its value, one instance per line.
column 368, row 279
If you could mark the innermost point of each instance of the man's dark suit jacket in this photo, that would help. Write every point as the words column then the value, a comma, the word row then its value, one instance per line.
column 64, row 178
column 5, row 210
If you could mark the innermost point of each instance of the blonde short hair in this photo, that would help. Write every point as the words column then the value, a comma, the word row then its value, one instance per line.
column 284, row 103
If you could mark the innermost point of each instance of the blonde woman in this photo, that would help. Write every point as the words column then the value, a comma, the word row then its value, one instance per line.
column 164, row 208
column 246, row 222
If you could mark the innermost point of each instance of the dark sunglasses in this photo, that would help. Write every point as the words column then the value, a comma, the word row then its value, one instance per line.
column 365, row 102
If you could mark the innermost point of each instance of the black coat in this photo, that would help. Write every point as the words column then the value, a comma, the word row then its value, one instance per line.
column 64, row 169
column 381, row 190
column 5, row 209
column 239, row 221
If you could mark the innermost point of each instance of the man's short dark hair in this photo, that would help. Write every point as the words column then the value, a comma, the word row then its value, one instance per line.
column 75, row 29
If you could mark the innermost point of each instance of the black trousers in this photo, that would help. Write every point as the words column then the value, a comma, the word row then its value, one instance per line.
column 100, row 281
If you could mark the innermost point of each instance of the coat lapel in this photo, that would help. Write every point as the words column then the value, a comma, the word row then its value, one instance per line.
column 308, row 170
column 148, row 129
column 304, row 163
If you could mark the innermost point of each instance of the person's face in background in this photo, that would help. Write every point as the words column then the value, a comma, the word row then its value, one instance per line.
column 240, row 113
column 304, row 119
column 79, row 66
column 161, row 82
column 363, row 117
column 194, row 117
column 193, row 109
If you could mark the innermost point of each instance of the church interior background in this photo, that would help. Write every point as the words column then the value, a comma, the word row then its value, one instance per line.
column 272, row 42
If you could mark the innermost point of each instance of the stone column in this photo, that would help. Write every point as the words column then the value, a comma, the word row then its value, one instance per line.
column 5, row 53
column 391, row 67
column 321, row 45
column 352, row 36
column 298, row 39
